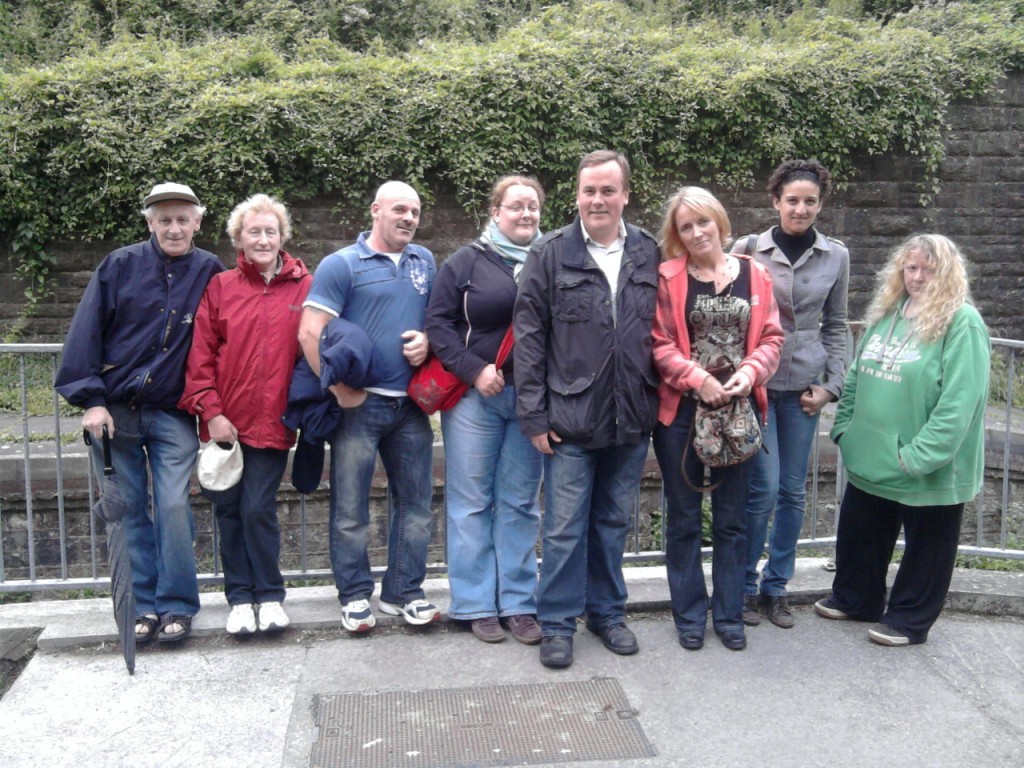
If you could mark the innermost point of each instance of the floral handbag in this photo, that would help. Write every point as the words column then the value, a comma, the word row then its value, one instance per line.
column 723, row 436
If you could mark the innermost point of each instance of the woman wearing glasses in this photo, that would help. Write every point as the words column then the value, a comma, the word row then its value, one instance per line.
column 492, row 472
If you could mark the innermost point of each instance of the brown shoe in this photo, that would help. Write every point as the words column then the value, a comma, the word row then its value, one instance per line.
column 751, row 616
column 488, row 629
column 524, row 628
column 778, row 612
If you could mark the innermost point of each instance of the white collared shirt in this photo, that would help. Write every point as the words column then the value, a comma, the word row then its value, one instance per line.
column 608, row 258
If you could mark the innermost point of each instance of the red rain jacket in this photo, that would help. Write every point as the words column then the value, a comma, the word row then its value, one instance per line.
column 244, row 348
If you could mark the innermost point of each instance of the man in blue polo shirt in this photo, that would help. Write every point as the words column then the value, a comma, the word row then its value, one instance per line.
column 124, row 363
column 381, row 283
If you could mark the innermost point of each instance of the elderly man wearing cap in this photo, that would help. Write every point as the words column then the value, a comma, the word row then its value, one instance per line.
column 124, row 363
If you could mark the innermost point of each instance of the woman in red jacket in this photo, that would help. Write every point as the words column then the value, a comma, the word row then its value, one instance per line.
column 244, row 348
column 716, row 337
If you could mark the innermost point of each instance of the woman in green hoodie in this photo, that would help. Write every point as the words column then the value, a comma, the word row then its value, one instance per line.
column 910, row 425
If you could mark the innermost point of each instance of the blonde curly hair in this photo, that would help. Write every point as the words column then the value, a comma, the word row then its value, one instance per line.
column 944, row 295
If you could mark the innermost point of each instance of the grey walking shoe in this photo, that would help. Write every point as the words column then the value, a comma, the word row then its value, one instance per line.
column 883, row 634
column 751, row 616
column 488, row 629
column 778, row 612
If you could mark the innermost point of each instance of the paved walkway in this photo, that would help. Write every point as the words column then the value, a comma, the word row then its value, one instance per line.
column 818, row 694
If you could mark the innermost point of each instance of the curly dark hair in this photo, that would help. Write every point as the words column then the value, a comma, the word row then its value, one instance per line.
column 798, row 170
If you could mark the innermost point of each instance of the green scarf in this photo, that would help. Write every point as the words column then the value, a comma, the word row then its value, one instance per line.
column 512, row 254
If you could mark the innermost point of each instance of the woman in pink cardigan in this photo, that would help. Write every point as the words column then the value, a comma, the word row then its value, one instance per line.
column 716, row 337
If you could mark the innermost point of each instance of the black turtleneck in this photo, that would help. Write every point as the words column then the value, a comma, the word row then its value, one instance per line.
column 793, row 246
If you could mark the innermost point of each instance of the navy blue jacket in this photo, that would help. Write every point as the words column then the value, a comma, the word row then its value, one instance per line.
column 346, row 356
column 131, row 334
column 469, row 311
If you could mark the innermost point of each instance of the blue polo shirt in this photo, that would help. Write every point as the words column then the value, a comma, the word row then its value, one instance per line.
column 367, row 288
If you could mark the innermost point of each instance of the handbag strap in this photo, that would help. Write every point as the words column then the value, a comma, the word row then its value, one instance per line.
column 505, row 348
column 749, row 246
column 689, row 442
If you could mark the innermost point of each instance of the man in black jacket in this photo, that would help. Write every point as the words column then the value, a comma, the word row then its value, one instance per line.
column 587, row 398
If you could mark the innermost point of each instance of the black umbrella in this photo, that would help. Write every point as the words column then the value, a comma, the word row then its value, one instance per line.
column 110, row 509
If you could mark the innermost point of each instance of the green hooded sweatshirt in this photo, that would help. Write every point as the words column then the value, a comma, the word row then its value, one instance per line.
column 911, row 419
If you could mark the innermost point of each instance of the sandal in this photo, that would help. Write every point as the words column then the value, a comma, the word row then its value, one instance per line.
column 168, row 620
column 145, row 628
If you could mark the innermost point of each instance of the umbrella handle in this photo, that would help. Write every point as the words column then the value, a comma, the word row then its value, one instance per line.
column 108, row 466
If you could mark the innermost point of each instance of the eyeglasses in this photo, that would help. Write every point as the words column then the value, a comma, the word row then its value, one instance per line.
column 519, row 208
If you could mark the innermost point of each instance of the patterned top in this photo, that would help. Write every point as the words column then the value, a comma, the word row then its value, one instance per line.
column 717, row 323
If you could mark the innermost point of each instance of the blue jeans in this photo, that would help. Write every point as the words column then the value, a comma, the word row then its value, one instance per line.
column 778, row 479
column 159, row 542
column 492, row 484
column 683, row 535
column 250, row 538
column 589, row 496
column 400, row 431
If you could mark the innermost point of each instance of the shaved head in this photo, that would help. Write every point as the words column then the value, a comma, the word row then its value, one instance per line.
column 395, row 190
column 396, row 215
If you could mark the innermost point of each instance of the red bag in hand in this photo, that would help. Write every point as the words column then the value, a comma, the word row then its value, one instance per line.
column 434, row 388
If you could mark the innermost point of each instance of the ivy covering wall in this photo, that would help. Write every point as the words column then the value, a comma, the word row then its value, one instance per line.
column 263, row 103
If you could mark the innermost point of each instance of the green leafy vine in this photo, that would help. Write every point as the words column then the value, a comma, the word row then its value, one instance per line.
column 329, row 98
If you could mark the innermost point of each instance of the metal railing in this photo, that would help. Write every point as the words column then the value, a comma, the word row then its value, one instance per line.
column 40, row 478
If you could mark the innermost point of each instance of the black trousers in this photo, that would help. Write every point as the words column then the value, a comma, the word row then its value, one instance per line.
column 868, row 528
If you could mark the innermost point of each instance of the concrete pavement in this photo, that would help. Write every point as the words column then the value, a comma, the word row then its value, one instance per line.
column 818, row 694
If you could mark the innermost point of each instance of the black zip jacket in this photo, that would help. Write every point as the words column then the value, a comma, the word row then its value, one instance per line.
column 590, row 380
column 469, row 311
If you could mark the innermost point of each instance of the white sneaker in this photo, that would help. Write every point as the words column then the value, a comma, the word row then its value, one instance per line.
column 416, row 612
column 241, row 620
column 272, row 617
column 357, row 616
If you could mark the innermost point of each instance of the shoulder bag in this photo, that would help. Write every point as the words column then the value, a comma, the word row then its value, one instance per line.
column 435, row 388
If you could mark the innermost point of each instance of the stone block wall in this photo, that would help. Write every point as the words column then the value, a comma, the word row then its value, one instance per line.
column 980, row 205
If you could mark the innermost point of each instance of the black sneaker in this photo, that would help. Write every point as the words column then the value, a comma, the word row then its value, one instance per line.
column 617, row 638
column 556, row 652
column 883, row 634
column 733, row 639
column 691, row 641
column 829, row 610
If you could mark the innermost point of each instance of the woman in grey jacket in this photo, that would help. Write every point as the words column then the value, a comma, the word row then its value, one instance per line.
column 810, row 273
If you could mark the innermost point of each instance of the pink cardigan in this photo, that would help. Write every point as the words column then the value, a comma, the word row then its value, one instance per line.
column 679, row 373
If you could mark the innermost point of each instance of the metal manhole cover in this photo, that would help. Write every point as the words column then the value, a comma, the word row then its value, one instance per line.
column 492, row 726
